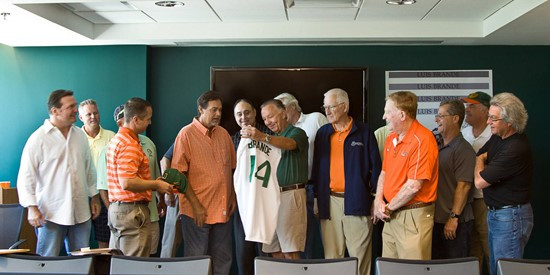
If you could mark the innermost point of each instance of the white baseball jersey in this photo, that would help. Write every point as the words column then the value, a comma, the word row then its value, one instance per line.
column 257, row 189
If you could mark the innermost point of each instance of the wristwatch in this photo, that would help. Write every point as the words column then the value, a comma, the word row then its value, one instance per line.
column 454, row 215
column 267, row 138
column 387, row 209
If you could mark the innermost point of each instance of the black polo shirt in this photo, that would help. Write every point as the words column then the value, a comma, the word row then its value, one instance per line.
column 456, row 163
column 509, row 170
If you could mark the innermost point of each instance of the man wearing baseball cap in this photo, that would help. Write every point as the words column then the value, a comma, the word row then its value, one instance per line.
column 477, row 133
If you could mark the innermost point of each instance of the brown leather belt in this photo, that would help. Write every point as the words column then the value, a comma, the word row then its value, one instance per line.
column 130, row 202
column 414, row 206
column 292, row 187
column 337, row 194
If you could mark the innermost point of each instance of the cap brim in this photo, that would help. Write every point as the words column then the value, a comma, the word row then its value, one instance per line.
column 469, row 100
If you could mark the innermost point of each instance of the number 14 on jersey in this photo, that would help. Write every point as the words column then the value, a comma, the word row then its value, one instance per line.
column 266, row 173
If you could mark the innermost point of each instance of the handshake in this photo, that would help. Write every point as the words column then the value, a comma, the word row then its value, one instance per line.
column 174, row 177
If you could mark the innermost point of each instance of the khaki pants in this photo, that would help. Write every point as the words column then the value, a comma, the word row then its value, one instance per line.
column 130, row 229
column 479, row 244
column 290, row 235
column 353, row 232
column 154, row 234
column 408, row 234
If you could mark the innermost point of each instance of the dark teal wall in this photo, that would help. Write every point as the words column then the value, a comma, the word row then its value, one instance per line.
column 178, row 75
column 173, row 78
column 110, row 75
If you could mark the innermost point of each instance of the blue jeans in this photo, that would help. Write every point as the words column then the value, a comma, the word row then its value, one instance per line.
column 210, row 239
column 51, row 236
column 509, row 231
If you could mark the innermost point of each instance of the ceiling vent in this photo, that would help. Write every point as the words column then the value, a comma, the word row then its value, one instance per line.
column 322, row 3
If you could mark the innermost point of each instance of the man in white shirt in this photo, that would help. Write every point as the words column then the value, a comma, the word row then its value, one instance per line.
column 98, row 138
column 477, row 133
column 310, row 123
column 57, row 178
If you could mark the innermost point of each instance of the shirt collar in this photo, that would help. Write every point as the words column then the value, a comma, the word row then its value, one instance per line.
column 126, row 131
column 301, row 119
column 49, row 126
column 415, row 124
column 288, row 127
column 348, row 127
column 201, row 127
column 454, row 141
column 98, row 136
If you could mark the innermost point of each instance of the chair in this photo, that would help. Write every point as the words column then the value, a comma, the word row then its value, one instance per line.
column 268, row 266
column 11, row 216
column 128, row 265
column 460, row 266
column 31, row 264
column 523, row 266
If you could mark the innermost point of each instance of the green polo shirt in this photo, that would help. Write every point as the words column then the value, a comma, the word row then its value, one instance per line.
column 293, row 165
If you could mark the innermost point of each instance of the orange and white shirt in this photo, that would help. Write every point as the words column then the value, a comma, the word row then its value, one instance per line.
column 126, row 160
column 415, row 157
column 207, row 161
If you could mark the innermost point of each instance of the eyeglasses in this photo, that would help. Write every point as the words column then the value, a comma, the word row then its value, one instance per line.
column 494, row 119
column 331, row 107
column 440, row 116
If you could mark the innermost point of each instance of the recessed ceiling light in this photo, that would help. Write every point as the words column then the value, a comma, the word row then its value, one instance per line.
column 169, row 4
column 400, row 2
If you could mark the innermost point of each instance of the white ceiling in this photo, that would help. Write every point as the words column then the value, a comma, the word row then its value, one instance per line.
column 272, row 22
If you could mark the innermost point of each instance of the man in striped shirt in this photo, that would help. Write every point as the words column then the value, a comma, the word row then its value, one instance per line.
column 130, row 183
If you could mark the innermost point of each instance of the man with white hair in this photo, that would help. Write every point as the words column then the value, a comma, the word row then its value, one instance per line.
column 504, row 170
column 346, row 167
column 310, row 123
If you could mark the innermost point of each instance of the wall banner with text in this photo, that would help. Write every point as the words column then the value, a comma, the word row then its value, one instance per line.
column 432, row 87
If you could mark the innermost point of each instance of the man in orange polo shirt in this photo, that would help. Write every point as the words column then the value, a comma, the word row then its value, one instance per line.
column 407, row 185
column 130, row 183
column 204, row 151
column 345, row 171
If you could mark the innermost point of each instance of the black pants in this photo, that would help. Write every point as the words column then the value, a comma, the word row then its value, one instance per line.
column 450, row 249
column 245, row 251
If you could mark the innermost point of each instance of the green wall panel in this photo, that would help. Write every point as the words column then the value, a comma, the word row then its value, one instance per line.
column 109, row 74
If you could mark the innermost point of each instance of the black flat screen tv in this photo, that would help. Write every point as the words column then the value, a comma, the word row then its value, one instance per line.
column 307, row 84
